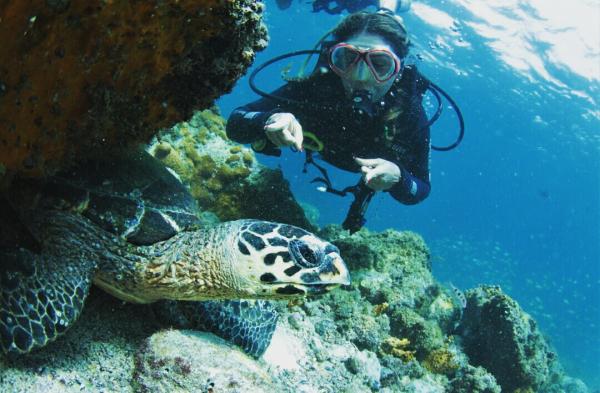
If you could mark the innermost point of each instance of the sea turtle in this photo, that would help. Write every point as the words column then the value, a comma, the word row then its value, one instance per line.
column 128, row 225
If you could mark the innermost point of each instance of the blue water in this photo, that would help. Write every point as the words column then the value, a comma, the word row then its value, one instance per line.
column 518, row 203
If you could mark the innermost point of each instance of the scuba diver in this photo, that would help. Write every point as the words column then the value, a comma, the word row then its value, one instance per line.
column 334, row 7
column 359, row 110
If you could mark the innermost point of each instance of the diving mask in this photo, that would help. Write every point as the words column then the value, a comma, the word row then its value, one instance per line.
column 382, row 63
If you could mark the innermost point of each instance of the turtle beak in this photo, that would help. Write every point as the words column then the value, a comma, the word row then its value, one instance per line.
column 334, row 272
column 319, row 280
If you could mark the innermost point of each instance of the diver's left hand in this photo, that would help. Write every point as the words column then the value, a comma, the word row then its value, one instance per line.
column 379, row 174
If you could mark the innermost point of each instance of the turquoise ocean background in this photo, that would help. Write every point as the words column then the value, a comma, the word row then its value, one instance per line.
column 518, row 202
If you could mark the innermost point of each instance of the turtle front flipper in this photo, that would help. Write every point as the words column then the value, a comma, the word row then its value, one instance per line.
column 248, row 324
column 40, row 298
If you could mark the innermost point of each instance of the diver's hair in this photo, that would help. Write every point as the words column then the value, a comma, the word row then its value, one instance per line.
column 386, row 26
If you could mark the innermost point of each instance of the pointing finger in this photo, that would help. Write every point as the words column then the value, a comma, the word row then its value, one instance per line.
column 370, row 162
column 287, row 137
column 376, row 172
column 297, row 134
column 276, row 125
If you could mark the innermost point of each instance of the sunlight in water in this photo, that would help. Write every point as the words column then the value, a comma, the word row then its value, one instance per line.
column 540, row 39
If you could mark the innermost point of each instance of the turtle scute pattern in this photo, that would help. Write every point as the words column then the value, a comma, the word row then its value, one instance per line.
column 246, row 323
column 249, row 324
column 38, row 312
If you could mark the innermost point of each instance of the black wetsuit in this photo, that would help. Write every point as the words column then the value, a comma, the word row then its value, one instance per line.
column 346, row 134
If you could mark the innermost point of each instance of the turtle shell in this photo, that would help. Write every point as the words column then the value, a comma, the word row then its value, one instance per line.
column 132, row 195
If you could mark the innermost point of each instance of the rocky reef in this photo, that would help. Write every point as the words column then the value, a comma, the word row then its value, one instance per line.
column 498, row 335
column 221, row 174
column 78, row 78
column 394, row 329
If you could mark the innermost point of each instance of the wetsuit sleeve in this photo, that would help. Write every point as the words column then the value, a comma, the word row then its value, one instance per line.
column 246, row 123
column 414, row 185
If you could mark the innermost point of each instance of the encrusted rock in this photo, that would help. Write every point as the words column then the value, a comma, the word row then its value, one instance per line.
column 79, row 77
column 96, row 355
column 400, row 259
column 474, row 380
column 224, row 176
column 424, row 334
column 301, row 360
column 499, row 336
column 190, row 361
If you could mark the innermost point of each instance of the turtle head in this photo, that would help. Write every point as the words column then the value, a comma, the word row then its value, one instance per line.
column 284, row 261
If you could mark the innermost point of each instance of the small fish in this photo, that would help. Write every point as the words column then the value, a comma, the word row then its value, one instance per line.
column 458, row 296
column 459, row 300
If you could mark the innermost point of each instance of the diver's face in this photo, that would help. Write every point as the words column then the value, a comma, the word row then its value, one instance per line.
column 374, row 75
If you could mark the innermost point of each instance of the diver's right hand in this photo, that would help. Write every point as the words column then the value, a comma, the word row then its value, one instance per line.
column 284, row 130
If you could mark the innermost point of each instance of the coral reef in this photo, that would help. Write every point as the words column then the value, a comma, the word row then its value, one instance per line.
column 222, row 174
column 388, row 268
column 441, row 361
column 425, row 334
column 473, row 380
column 77, row 78
column 347, row 341
column 178, row 358
column 498, row 335
column 394, row 329
column 311, row 212
column 393, row 306
column 301, row 358
column 398, row 347
column 96, row 355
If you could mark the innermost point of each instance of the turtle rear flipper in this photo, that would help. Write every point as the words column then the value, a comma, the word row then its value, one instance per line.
column 248, row 324
column 40, row 298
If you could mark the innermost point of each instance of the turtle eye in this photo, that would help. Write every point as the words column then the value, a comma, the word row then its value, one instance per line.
column 304, row 255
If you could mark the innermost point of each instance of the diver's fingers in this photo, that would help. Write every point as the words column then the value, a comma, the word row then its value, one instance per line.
column 287, row 137
column 273, row 127
column 368, row 162
column 284, row 130
column 278, row 121
column 296, row 130
column 374, row 173
column 276, row 126
column 275, row 137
